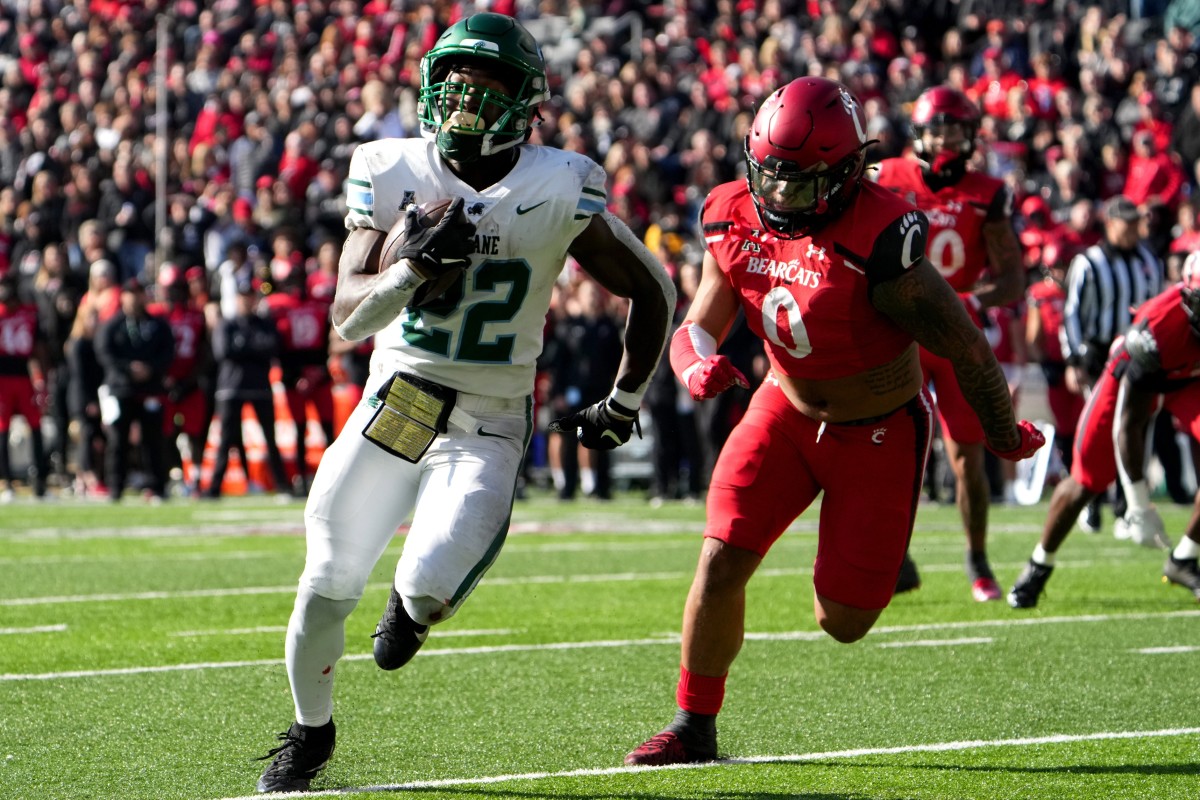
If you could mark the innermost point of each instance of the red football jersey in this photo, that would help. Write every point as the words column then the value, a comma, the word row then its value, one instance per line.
column 189, row 328
column 18, row 334
column 809, row 298
column 303, row 324
column 956, row 215
column 1163, row 327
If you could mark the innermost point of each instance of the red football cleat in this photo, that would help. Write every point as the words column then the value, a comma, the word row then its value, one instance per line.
column 985, row 589
column 667, row 748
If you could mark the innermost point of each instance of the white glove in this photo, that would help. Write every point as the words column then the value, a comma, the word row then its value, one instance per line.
column 1145, row 527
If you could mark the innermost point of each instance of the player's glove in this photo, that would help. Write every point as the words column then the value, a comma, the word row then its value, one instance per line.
column 712, row 376
column 1145, row 527
column 604, row 426
column 1031, row 441
column 442, row 248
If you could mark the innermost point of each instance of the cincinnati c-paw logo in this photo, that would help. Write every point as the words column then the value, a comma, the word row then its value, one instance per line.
column 877, row 435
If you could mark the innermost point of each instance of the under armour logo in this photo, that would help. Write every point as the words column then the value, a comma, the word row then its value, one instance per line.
column 815, row 252
column 877, row 435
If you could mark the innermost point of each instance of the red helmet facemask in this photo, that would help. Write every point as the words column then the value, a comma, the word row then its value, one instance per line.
column 805, row 154
column 947, row 112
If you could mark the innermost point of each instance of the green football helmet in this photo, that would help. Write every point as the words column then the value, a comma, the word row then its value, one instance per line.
column 509, row 53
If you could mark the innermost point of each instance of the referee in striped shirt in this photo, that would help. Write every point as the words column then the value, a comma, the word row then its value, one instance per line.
column 1105, row 285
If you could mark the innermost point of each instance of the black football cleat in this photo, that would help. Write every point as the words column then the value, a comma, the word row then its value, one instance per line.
column 1028, row 588
column 1183, row 572
column 908, row 579
column 397, row 637
column 305, row 752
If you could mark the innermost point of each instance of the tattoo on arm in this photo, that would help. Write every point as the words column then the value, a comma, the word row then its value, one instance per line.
column 889, row 377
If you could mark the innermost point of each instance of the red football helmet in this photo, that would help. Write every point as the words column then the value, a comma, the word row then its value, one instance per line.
column 805, row 153
column 1190, row 289
column 946, row 113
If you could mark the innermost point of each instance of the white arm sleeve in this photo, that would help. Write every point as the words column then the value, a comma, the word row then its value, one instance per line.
column 383, row 304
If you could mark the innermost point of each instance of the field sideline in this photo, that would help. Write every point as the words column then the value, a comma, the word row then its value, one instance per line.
column 141, row 657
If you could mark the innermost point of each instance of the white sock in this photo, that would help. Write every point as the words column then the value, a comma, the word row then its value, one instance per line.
column 1187, row 548
column 559, row 478
column 587, row 481
column 1040, row 556
column 316, row 637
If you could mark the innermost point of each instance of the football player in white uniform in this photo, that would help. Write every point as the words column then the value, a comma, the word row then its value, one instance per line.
column 443, row 425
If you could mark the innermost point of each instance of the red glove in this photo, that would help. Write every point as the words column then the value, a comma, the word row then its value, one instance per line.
column 705, row 373
column 1031, row 441
column 974, row 308
column 712, row 376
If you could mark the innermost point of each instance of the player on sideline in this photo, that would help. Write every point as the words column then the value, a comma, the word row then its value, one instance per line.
column 831, row 272
column 973, row 245
column 446, row 416
column 1151, row 367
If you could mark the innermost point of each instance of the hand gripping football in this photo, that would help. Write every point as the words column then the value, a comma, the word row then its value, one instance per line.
column 437, row 238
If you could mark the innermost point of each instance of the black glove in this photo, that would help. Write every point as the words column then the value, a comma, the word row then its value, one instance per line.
column 604, row 426
column 440, row 248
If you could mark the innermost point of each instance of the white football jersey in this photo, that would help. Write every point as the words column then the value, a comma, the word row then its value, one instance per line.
column 484, row 334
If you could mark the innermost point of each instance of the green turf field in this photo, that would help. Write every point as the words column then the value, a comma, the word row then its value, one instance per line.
column 141, row 658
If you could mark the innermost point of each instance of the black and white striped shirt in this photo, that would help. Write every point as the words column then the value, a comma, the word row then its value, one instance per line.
column 1104, row 288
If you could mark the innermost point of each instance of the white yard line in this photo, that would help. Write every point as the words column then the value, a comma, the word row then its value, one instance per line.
column 939, row 642
column 449, row 634
column 35, row 629
column 670, row 639
column 935, row 747
column 1156, row 651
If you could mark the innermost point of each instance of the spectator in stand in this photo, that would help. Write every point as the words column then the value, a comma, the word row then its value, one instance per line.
column 22, row 383
column 1152, row 175
column 126, row 208
column 1185, row 137
column 1039, row 231
column 244, row 346
column 135, row 349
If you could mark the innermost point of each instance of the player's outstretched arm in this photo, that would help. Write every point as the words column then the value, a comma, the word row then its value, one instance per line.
column 922, row 303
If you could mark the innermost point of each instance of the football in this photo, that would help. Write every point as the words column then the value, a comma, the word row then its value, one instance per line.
column 428, row 215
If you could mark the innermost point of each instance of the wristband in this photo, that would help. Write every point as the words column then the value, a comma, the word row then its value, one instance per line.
column 626, row 401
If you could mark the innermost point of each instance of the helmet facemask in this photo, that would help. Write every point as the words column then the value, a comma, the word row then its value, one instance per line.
column 469, row 121
column 790, row 200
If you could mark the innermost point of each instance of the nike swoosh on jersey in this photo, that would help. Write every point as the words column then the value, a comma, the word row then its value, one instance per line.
column 482, row 432
column 531, row 208
column 611, row 435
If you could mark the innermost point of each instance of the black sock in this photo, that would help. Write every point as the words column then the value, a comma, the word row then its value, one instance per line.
column 977, row 565
column 695, row 729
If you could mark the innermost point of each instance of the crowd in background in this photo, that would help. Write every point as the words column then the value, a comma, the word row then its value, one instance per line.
column 265, row 101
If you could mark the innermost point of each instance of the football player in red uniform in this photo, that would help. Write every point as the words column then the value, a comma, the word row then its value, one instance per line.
column 973, row 245
column 1152, row 367
column 303, row 324
column 22, row 381
column 831, row 273
column 186, row 409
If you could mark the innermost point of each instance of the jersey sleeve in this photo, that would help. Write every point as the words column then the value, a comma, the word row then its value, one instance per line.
column 1001, row 207
column 593, row 197
column 899, row 245
column 360, row 193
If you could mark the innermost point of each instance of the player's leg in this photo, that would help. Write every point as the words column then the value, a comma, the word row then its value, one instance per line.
column 360, row 495
column 1093, row 467
column 759, row 486
column 1181, row 567
column 861, row 545
column 463, row 507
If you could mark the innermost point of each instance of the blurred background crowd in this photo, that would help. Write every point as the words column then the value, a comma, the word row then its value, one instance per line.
column 189, row 158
